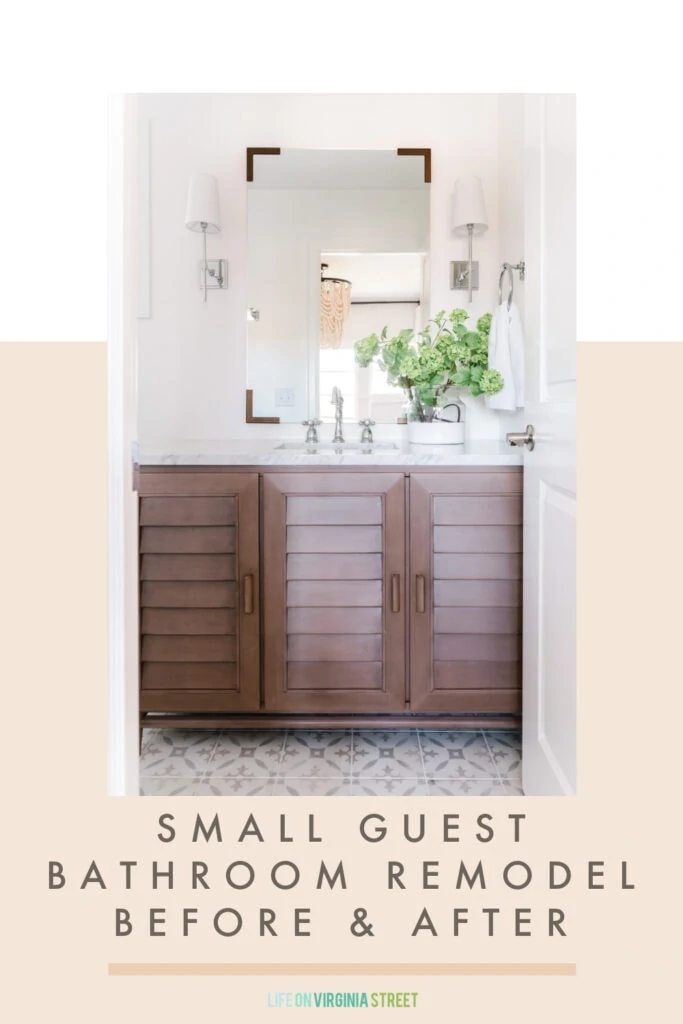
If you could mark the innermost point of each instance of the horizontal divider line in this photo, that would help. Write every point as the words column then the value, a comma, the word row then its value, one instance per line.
column 189, row 634
column 457, row 495
column 345, row 970
column 476, row 662
column 476, row 579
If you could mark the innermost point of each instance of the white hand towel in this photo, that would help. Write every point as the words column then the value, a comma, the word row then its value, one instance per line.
column 506, row 354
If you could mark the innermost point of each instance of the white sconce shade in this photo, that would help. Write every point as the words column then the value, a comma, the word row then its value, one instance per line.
column 203, row 210
column 468, row 206
column 203, row 213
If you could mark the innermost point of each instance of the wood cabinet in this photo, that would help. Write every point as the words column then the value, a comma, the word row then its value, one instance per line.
column 334, row 559
column 465, row 605
column 330, row 596
column 199, row 591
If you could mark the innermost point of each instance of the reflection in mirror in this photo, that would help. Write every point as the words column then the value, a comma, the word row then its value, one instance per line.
column 386, row 291
column 365, row 214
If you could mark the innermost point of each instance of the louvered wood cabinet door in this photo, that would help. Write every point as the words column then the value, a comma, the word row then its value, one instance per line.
column 334, row 601
column 465, row 591
column 199, row 591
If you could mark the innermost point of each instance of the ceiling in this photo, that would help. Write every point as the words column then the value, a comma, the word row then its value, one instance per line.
column 378, row 275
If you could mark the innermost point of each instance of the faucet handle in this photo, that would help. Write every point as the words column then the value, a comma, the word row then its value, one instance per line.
column 312, row 432
column 366, row 436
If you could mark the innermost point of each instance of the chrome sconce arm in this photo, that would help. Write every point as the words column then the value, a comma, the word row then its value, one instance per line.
column 469, row 217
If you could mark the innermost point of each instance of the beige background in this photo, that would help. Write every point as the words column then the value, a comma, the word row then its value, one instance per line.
column 53, row 671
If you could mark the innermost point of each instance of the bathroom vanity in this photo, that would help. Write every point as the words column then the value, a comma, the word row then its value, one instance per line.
column 364, row 587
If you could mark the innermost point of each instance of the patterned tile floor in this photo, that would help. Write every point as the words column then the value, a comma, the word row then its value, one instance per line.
column 180, row 762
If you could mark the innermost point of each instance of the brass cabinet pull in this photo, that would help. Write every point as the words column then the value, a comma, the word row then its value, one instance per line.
column 420, row 593
column 396, row 592
column 248, row 594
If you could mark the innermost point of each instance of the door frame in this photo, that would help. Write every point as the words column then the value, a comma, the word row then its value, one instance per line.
column 122, row 582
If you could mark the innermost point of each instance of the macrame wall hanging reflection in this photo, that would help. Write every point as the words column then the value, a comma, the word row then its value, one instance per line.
column 335, row 303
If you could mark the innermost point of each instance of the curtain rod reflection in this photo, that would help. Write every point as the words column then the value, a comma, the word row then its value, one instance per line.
column 385, row 302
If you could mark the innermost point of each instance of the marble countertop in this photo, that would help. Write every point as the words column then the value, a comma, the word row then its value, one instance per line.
column 262, row 452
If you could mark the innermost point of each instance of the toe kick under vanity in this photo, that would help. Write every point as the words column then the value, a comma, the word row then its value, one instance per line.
column 368, row 589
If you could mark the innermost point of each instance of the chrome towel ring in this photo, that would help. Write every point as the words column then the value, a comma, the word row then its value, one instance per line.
column 507, row 268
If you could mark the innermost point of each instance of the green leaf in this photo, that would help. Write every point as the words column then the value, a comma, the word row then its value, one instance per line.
column 471, row 338
column 366, row 349
column 461, row 378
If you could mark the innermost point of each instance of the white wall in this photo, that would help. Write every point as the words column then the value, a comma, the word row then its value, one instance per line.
column 511, row 210
column 192, row 357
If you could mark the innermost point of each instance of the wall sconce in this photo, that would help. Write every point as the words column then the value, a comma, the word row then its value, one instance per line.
column 469, row 218
column 203, row 214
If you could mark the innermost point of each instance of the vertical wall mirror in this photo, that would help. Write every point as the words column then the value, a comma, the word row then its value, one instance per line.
column 338, row 248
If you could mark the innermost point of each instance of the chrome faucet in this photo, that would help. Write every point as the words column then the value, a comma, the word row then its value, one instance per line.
column 338, row 403
column 312, row 432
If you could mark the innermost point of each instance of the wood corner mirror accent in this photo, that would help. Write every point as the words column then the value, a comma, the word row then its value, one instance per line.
column 426, row 153
column 250, row 418
column 259, row 151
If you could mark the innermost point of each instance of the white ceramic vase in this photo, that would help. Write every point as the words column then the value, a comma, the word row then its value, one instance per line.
column 436, row 432
column 424, row 414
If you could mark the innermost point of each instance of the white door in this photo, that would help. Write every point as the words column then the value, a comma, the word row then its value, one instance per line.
column 549, row 716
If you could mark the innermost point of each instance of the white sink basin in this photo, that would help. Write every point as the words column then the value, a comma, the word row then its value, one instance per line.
column 329, row 446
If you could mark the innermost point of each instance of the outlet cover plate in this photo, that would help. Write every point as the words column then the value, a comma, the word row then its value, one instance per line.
column 284, row 396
